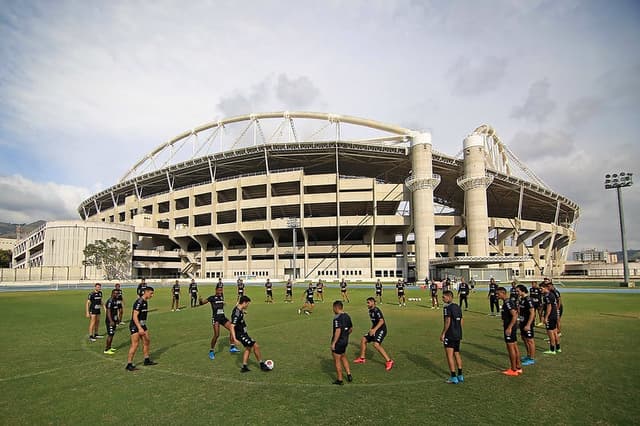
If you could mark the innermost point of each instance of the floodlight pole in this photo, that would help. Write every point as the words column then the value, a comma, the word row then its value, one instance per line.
column 292, row 223
column 618, row 181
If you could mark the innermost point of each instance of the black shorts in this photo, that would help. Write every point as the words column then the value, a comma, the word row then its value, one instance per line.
column 220, row 319
column 378, row 292
column 133, row 329
column 511, row 338
column 453, row 344
column 526, row 334
column 111, row 330
column 535, row 303
column 434, row 294
column 246, row 341
column 552, row 323
column 194, row 295
column 341, row 348
column 270, row 293
column 377, row 337
column 176, row 297
column 289, row 292
column 343, row 291
column 309, row 301
column 463, row 296
column 319, row 291
column 401, row 294
column 94, row 311
column 240, row 293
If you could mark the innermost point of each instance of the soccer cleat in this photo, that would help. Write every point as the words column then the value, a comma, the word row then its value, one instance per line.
column 349, row 378
column 212, row 355
column 338, row 382
column 388, row 365
column 549, row 352
column 234, row 350
column 540, row 324
column 307, row 313
column 178, row 310
column 558, row 351
column 92, row 339
column 510, row 372
column 264, row 367
column 359, row 360
column 519, row 371
column 452, row 381
column 113, row 349
column 99, row 336
column 244, row 369
column 131, row 367
column 299, row 311
column 173, row 310
column 528, row 361
column 109, row 351
column 559, row 334
column 148, row 361
column 460, row 378
column 524, row 358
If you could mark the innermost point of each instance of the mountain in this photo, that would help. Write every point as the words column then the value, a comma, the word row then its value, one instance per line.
column 8, row 230
column 634, row 255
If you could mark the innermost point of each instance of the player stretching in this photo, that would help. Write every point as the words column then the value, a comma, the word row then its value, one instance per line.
column 402, row 299
column 240, row 328
column 93, row 306
column 433, row 288
column 288, row 295
column 320, row 290
column 343, row 290
column 379, row 290
column 451, row 336
column 375, row 335
column 175, row 296
column 493, row 298
column 509, row 320
column 138, row 328
column 193, row 292
column 307, row 306
column 527, row 321
column 217, row 319
column 463, row 293
column 113, row 311
column 342, row 328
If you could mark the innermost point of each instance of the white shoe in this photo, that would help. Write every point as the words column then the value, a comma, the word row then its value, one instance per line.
column 299, row 311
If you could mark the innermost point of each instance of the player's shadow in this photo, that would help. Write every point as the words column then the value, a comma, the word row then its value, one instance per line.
column 423, row 362
column 471, row 355
column 157, row 353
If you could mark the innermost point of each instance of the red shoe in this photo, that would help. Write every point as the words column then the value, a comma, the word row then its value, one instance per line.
column 510, row 372
column 359, row 360
column 519, row 371
column 388, row 365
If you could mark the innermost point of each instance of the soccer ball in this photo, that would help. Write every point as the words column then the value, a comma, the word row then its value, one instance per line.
column 269, row 364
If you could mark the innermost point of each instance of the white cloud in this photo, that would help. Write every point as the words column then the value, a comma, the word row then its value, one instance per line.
column 23, row 200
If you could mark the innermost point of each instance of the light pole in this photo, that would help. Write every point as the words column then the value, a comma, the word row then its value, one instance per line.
column 618, row 181
column 293, row 223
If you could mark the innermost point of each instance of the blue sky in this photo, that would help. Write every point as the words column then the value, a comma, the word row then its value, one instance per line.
column 87, row 88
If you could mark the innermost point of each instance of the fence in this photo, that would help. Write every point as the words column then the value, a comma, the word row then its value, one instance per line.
column 42, row 273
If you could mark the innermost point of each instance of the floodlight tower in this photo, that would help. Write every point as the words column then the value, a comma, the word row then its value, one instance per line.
column 619, row 181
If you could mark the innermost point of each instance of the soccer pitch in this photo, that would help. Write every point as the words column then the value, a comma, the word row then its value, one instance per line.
column 51, row 374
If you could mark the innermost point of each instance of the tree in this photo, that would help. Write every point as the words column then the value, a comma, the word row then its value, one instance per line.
column 112, row 256
column 5, row 258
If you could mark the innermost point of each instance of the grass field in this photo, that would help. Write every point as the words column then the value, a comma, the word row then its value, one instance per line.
column 51, row 374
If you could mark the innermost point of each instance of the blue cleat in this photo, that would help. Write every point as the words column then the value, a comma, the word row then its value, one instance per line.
column 460, row 378
column 528, row 361
column 234, row 350
column 452, row 380
column 212, row 355
column 524, row 358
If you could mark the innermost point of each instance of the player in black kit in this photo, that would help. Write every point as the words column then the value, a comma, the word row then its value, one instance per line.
column 93, row 306
column 141, row 287
column 138, row 329
column 509, row 320
column 288, row 295
column 493, row 298
column 240, row 329
column 342, row 328
column 379, row 290
column 551, row 319
column 307, row 305
column 175, row 296
column 463, row 293
column 535, row 293
column 451, row 336
column 193, row 292
column 527, row 322
column 268, row 286
column 112, row 309
column 240, row 285
column 402, row 298
column 220, row 284
column 217, row 319
column 343, row 290
column 320, row 290
column 433, row 288
column 375, row 335
column 120, row 301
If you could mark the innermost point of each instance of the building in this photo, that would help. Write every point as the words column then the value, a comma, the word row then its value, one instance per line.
column 7, row 243
column 594, row 255
column 316, row 195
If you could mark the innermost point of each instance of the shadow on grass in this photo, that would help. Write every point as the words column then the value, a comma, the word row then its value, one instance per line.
column 473, row 356
column 424, row 362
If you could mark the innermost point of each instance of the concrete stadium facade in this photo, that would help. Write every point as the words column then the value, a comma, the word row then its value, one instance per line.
column 362, row 199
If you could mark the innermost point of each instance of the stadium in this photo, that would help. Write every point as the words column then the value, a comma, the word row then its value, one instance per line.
column 318, row 195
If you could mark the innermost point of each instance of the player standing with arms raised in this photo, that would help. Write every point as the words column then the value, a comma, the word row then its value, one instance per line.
column 451, row 336
column 342, row 328
column 375, row 335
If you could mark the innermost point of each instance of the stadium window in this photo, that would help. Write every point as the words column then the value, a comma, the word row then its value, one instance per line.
column 399, row 273
column 378, row 274
column 385, row 273
column 391, row 273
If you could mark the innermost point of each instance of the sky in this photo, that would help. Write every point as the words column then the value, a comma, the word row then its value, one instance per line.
column 87, row 88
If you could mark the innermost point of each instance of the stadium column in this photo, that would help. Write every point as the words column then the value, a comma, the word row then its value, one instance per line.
column 474, row 183
column 421, row 183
